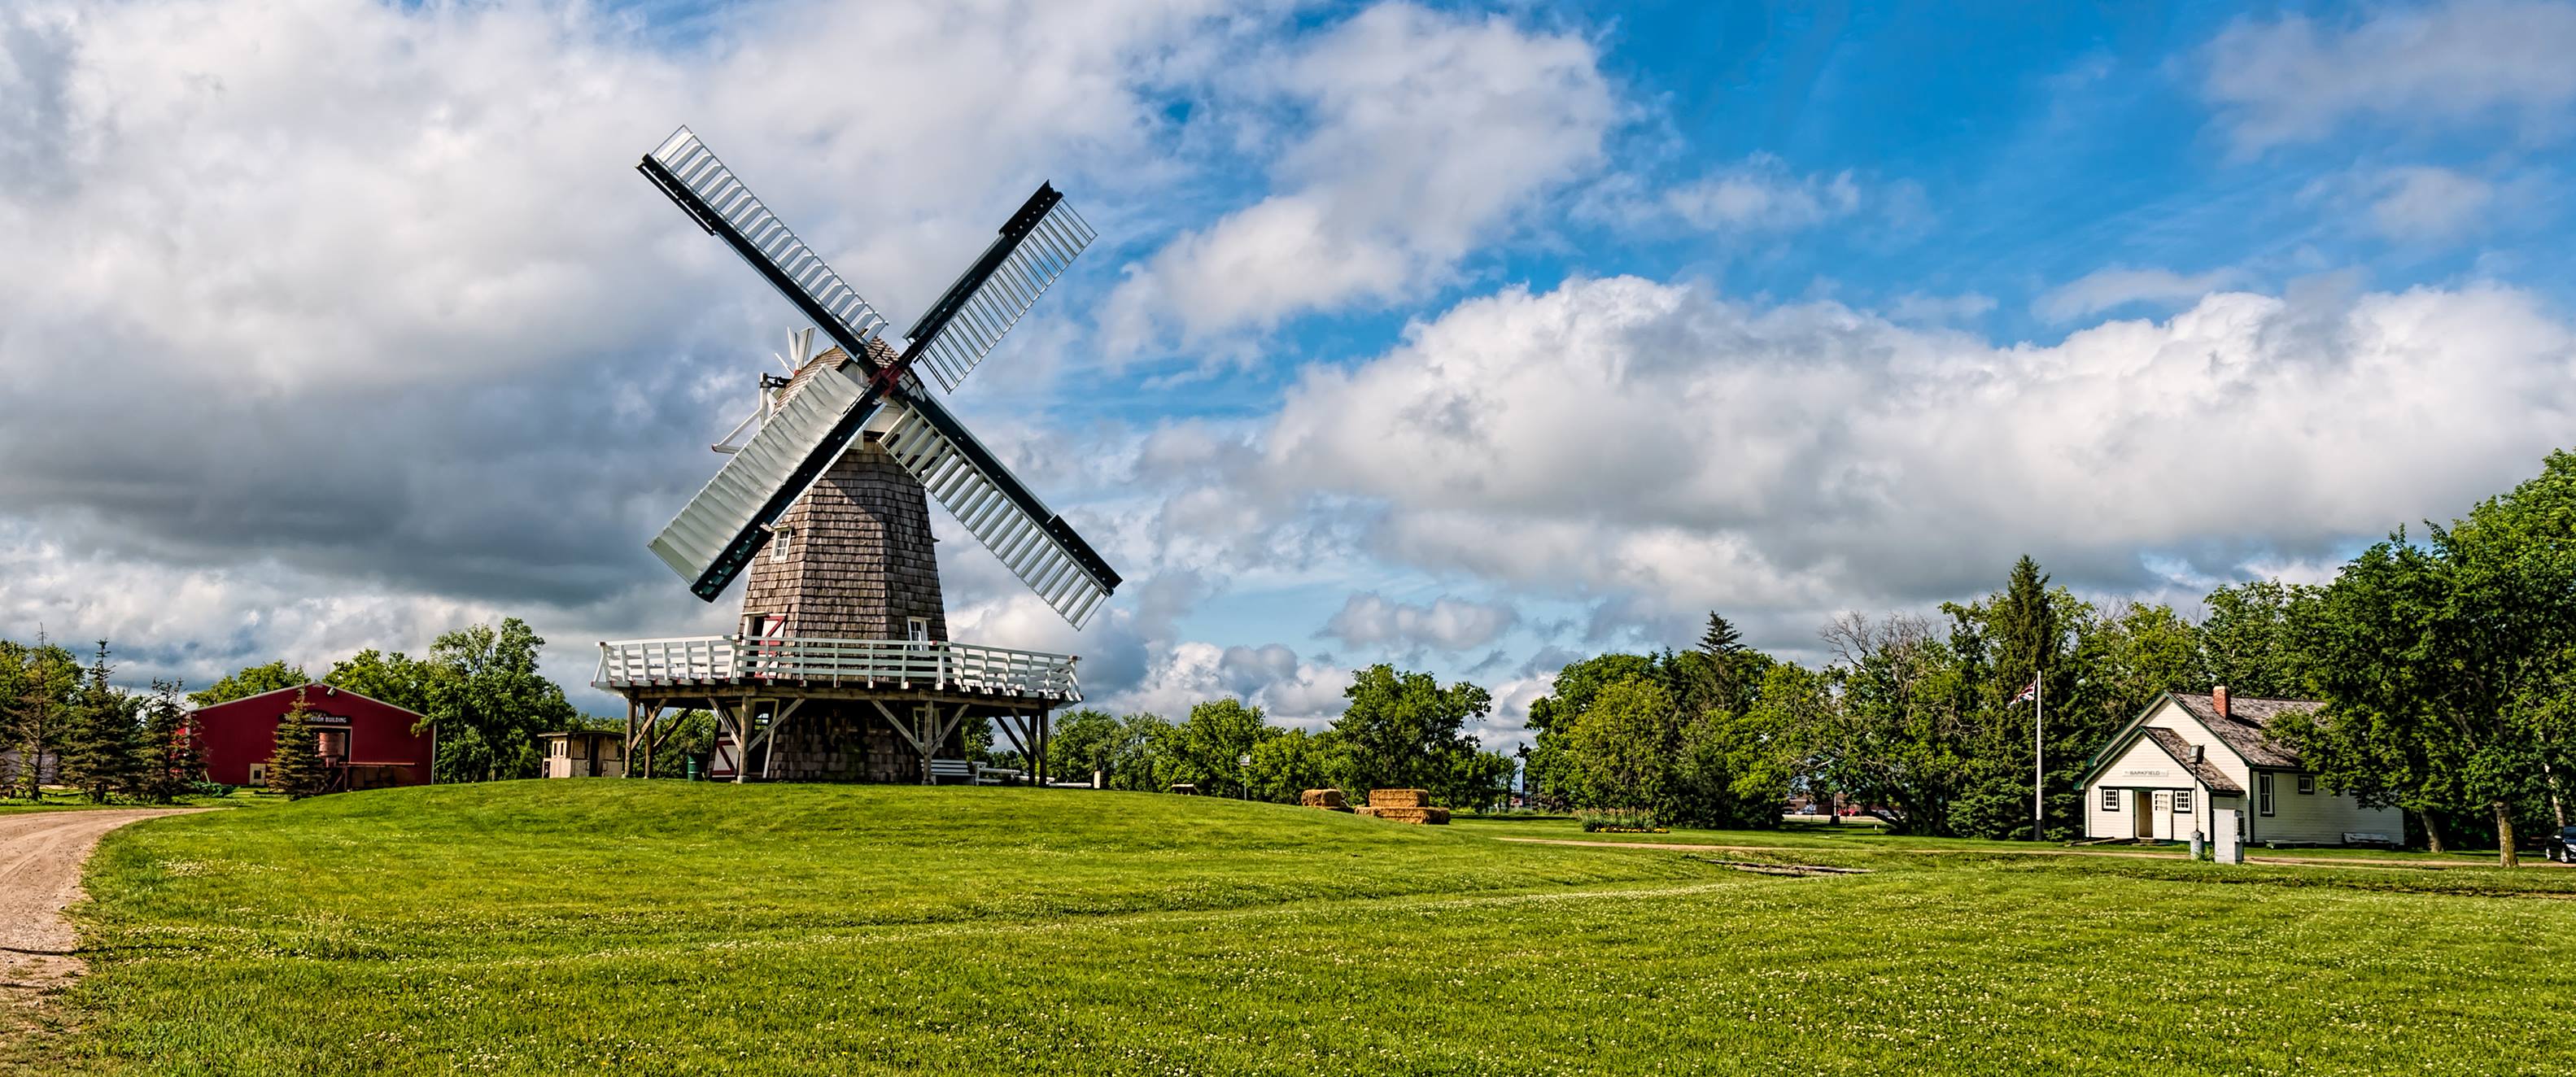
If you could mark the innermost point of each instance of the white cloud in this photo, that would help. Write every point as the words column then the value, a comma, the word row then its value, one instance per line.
column 2119, row 286
column 343, row 322
column 1427, row 131
column 1290, row 691
column 2296, row 79
column 2425, row 204
column 1920, row 307
column 1667, row 452
column 1762, row 195
column 1447, row 623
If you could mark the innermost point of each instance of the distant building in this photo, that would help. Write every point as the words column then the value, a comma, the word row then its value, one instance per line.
column 583, row 753
column 48, row 768
column 2187, row 756
column 365, row 743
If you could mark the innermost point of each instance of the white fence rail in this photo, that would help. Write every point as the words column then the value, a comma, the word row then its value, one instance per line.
column 856, row 663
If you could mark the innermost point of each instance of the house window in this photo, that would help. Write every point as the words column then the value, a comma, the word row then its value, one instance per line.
column 2263, row 794
column 778, row 545
column 2110, row 799
column 2182, row 802
column 2307, row 784
column 917, row 629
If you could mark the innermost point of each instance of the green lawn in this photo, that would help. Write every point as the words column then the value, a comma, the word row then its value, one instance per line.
column 661, row 927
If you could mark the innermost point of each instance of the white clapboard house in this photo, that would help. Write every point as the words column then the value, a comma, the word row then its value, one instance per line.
column 2188, row 756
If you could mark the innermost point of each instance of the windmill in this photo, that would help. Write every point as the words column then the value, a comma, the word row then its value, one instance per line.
column 822, row 502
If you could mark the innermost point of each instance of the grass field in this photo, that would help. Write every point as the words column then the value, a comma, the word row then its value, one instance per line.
column 664, row 927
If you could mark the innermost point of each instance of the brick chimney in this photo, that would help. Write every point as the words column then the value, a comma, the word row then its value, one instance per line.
column 2218, row 699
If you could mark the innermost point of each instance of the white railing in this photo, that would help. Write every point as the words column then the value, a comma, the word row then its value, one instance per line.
column 849, row 663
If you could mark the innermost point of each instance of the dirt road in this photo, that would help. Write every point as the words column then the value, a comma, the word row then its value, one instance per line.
column 40, row 868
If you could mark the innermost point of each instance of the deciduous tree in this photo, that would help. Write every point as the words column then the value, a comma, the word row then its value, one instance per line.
column 488, row 702
column 1404, row 730
column 250, row 681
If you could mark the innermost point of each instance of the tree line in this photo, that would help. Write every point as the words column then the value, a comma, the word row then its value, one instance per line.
column 68, row 724
column 1398, row 730
column 478, row 685
column 2446, row 667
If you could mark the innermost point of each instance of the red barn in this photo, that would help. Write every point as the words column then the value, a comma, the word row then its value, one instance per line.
column 365, row 743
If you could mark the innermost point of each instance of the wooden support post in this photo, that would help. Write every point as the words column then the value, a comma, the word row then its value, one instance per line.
column 630, row 736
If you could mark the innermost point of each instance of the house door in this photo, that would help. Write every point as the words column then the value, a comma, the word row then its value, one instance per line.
column 2142, row 807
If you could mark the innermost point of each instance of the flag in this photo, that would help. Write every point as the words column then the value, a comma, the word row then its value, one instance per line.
column 2027, row 694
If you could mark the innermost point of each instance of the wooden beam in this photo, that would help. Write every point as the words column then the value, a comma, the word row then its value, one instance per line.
column 1006, row 723
column 769, row 737
column 906, row 734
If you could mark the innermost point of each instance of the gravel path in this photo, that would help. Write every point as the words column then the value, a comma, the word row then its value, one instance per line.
column 40, row 868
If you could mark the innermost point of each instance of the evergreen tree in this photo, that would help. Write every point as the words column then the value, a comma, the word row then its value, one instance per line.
column 295, row 766
column 1721, row 639
column 101, row 739
column 43, row 680
column 171, row 759
column 2013, row 639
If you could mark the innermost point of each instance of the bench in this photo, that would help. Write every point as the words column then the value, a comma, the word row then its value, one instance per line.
column 2352, row 838
column 946, row 769
column 985, row 775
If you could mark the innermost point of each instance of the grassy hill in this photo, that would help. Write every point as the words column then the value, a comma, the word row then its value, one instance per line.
column 542, row 927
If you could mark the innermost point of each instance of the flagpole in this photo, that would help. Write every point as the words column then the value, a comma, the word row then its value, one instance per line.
column 2038, row 756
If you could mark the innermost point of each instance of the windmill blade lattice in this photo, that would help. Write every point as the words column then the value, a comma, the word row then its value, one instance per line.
column 1036, row 545
column 692, row 176
column 1034, row 248
column 718, row 531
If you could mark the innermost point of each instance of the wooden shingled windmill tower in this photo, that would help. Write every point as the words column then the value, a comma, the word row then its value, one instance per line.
column 841, row 667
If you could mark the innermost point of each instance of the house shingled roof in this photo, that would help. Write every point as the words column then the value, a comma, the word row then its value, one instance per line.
column 2220, row 785
column 2247, row 725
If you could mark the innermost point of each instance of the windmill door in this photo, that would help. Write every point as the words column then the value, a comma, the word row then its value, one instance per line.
column 727, row 756
column 768, row 642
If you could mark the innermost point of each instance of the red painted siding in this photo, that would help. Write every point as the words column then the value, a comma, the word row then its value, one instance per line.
column 383, row 750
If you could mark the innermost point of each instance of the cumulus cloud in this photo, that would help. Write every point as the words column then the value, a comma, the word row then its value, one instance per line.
column 1427, row 131
column 2295, row 79
column 1446, row 623
column 1289, row 690
column 1665, row 451
column 364, row 301
column 2118, row 286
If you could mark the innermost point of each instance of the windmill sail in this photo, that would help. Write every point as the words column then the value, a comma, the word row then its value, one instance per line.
column 718, row 531
column 692, row 176
column 1035, row 544
column 1034, row 247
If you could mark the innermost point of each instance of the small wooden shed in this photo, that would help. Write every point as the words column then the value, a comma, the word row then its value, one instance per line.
column 583, row 753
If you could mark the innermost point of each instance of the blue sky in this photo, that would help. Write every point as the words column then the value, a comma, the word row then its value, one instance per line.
column 1470, row 339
